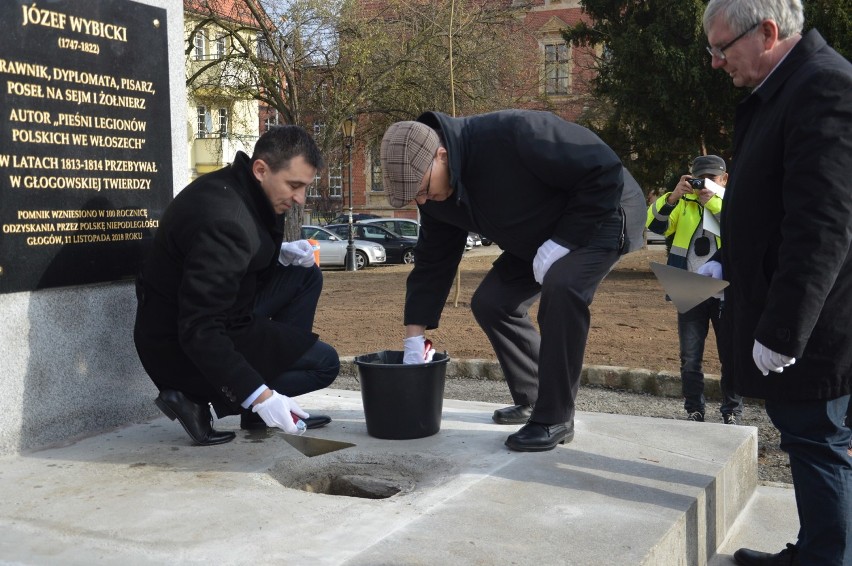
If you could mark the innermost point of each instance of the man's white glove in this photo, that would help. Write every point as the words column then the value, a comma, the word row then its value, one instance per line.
column 766, row 360
column 417, row 350
column 711, row 269
column 300, row 253
column 546, row 256
column 278, row 411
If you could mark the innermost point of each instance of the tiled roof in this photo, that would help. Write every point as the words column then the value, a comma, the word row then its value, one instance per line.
column 233, row 10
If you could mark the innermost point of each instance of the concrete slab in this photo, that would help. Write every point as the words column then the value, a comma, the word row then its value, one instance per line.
column 628, row 490
column 768, row 522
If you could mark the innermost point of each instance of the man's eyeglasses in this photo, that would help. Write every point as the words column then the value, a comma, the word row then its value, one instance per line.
column 424, row 192
column 719, row 52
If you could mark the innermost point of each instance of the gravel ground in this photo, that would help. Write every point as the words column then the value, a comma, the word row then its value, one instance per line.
column 772, row 463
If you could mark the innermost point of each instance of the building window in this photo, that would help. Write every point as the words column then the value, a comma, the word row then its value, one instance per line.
column 223, row 122
column 271, row 119
column 200, row 45
column 204, row 121
column 556, row 69
column 375, row 171
column 318, row 128
column 335, row 180
column 264, row 52
column 220, row 46
column 313, row 189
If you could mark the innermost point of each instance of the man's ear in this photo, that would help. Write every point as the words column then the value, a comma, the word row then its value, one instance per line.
column 259, row 168
column 442, row 154
column 769, row 30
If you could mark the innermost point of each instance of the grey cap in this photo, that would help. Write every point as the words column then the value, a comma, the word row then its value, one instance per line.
column 708, row 165
column 407, row 150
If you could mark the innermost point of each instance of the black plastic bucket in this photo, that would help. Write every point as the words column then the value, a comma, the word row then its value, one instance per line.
column 401, row 401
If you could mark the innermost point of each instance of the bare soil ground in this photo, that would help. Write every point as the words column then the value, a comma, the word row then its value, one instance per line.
column 632, row 323
column 632, row 326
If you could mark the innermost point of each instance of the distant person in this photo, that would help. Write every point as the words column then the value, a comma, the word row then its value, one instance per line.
column 224, row 310
column 787, row 253
column 550, row 194
column 679, row 215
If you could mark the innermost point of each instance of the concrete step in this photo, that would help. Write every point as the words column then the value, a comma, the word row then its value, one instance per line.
column 627, row 490
column 768, row 522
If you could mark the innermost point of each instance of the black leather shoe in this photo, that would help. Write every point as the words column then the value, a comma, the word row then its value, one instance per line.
column 539, row 437
column 196, row 419
column 516, row 414
column 787, row 557
column 252, row 421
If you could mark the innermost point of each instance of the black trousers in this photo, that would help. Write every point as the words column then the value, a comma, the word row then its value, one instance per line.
column 543, row 369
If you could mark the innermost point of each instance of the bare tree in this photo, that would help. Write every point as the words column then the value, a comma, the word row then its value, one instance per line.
column 317, row 62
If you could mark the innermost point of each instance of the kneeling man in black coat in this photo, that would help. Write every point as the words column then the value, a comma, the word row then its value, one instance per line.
column 225, row 311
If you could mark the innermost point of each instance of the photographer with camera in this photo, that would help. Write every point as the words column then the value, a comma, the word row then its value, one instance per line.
column 679, row 216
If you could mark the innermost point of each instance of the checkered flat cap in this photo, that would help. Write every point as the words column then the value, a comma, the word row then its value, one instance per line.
column 407, row 150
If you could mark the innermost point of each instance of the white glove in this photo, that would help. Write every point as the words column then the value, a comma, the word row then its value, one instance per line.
column 278, row 411
column 546, row 256
column 711, row 269
column 300, row 253
column 766, row 360
column 417, row 350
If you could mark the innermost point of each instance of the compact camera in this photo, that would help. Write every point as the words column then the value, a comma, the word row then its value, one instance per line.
column 697, row 184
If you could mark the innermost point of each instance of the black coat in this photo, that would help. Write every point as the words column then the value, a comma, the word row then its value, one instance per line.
column 197, row 289
column 519, row 177
column 787, row 228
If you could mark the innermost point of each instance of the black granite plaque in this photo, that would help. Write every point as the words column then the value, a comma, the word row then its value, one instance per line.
column 85, row 140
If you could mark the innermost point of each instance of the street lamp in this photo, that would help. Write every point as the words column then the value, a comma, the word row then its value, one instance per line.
column 348, row 128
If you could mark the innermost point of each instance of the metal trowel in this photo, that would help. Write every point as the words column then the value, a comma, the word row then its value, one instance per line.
column 310, row 446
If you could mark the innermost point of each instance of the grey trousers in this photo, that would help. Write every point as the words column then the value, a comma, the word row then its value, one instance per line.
column 543, row 369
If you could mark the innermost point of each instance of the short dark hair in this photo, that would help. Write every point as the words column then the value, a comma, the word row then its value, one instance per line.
column 280, row 144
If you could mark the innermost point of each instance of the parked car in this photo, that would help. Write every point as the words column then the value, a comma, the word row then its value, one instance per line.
column 486, row 241
column 401, row 226
column 474, row 239
column 356, row 217
column 400, row 249
column 333, row 249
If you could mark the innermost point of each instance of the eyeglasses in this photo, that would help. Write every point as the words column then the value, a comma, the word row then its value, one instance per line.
column 425, row 191
column 719, row 52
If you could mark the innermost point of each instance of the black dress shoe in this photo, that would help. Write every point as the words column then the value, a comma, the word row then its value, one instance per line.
column 252, row 421
column 195, row 418
column 516, row 414
column 787, row 557
column 538, row 437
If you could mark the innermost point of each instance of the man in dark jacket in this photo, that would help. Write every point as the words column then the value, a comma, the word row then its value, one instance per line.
column 553, row 196
column 225, row 310
column 787, row 228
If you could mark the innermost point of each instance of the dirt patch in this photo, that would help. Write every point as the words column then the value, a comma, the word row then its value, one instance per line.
column 632, row 323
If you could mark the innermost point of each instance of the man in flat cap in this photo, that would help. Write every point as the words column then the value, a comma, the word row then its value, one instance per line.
column 560, row 205
column 679, row 215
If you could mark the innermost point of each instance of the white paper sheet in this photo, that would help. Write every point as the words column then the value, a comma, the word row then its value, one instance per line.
column 686, row 289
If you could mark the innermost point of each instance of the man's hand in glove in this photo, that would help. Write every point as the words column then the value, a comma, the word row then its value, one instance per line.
column 766, row 360
column 417, row 350
column 278, row 411
column 546, row 256
column 300, row 253
column 711, row 269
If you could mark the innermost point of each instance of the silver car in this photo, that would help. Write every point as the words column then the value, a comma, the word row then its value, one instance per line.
column 401, row 226
column 333, row 249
